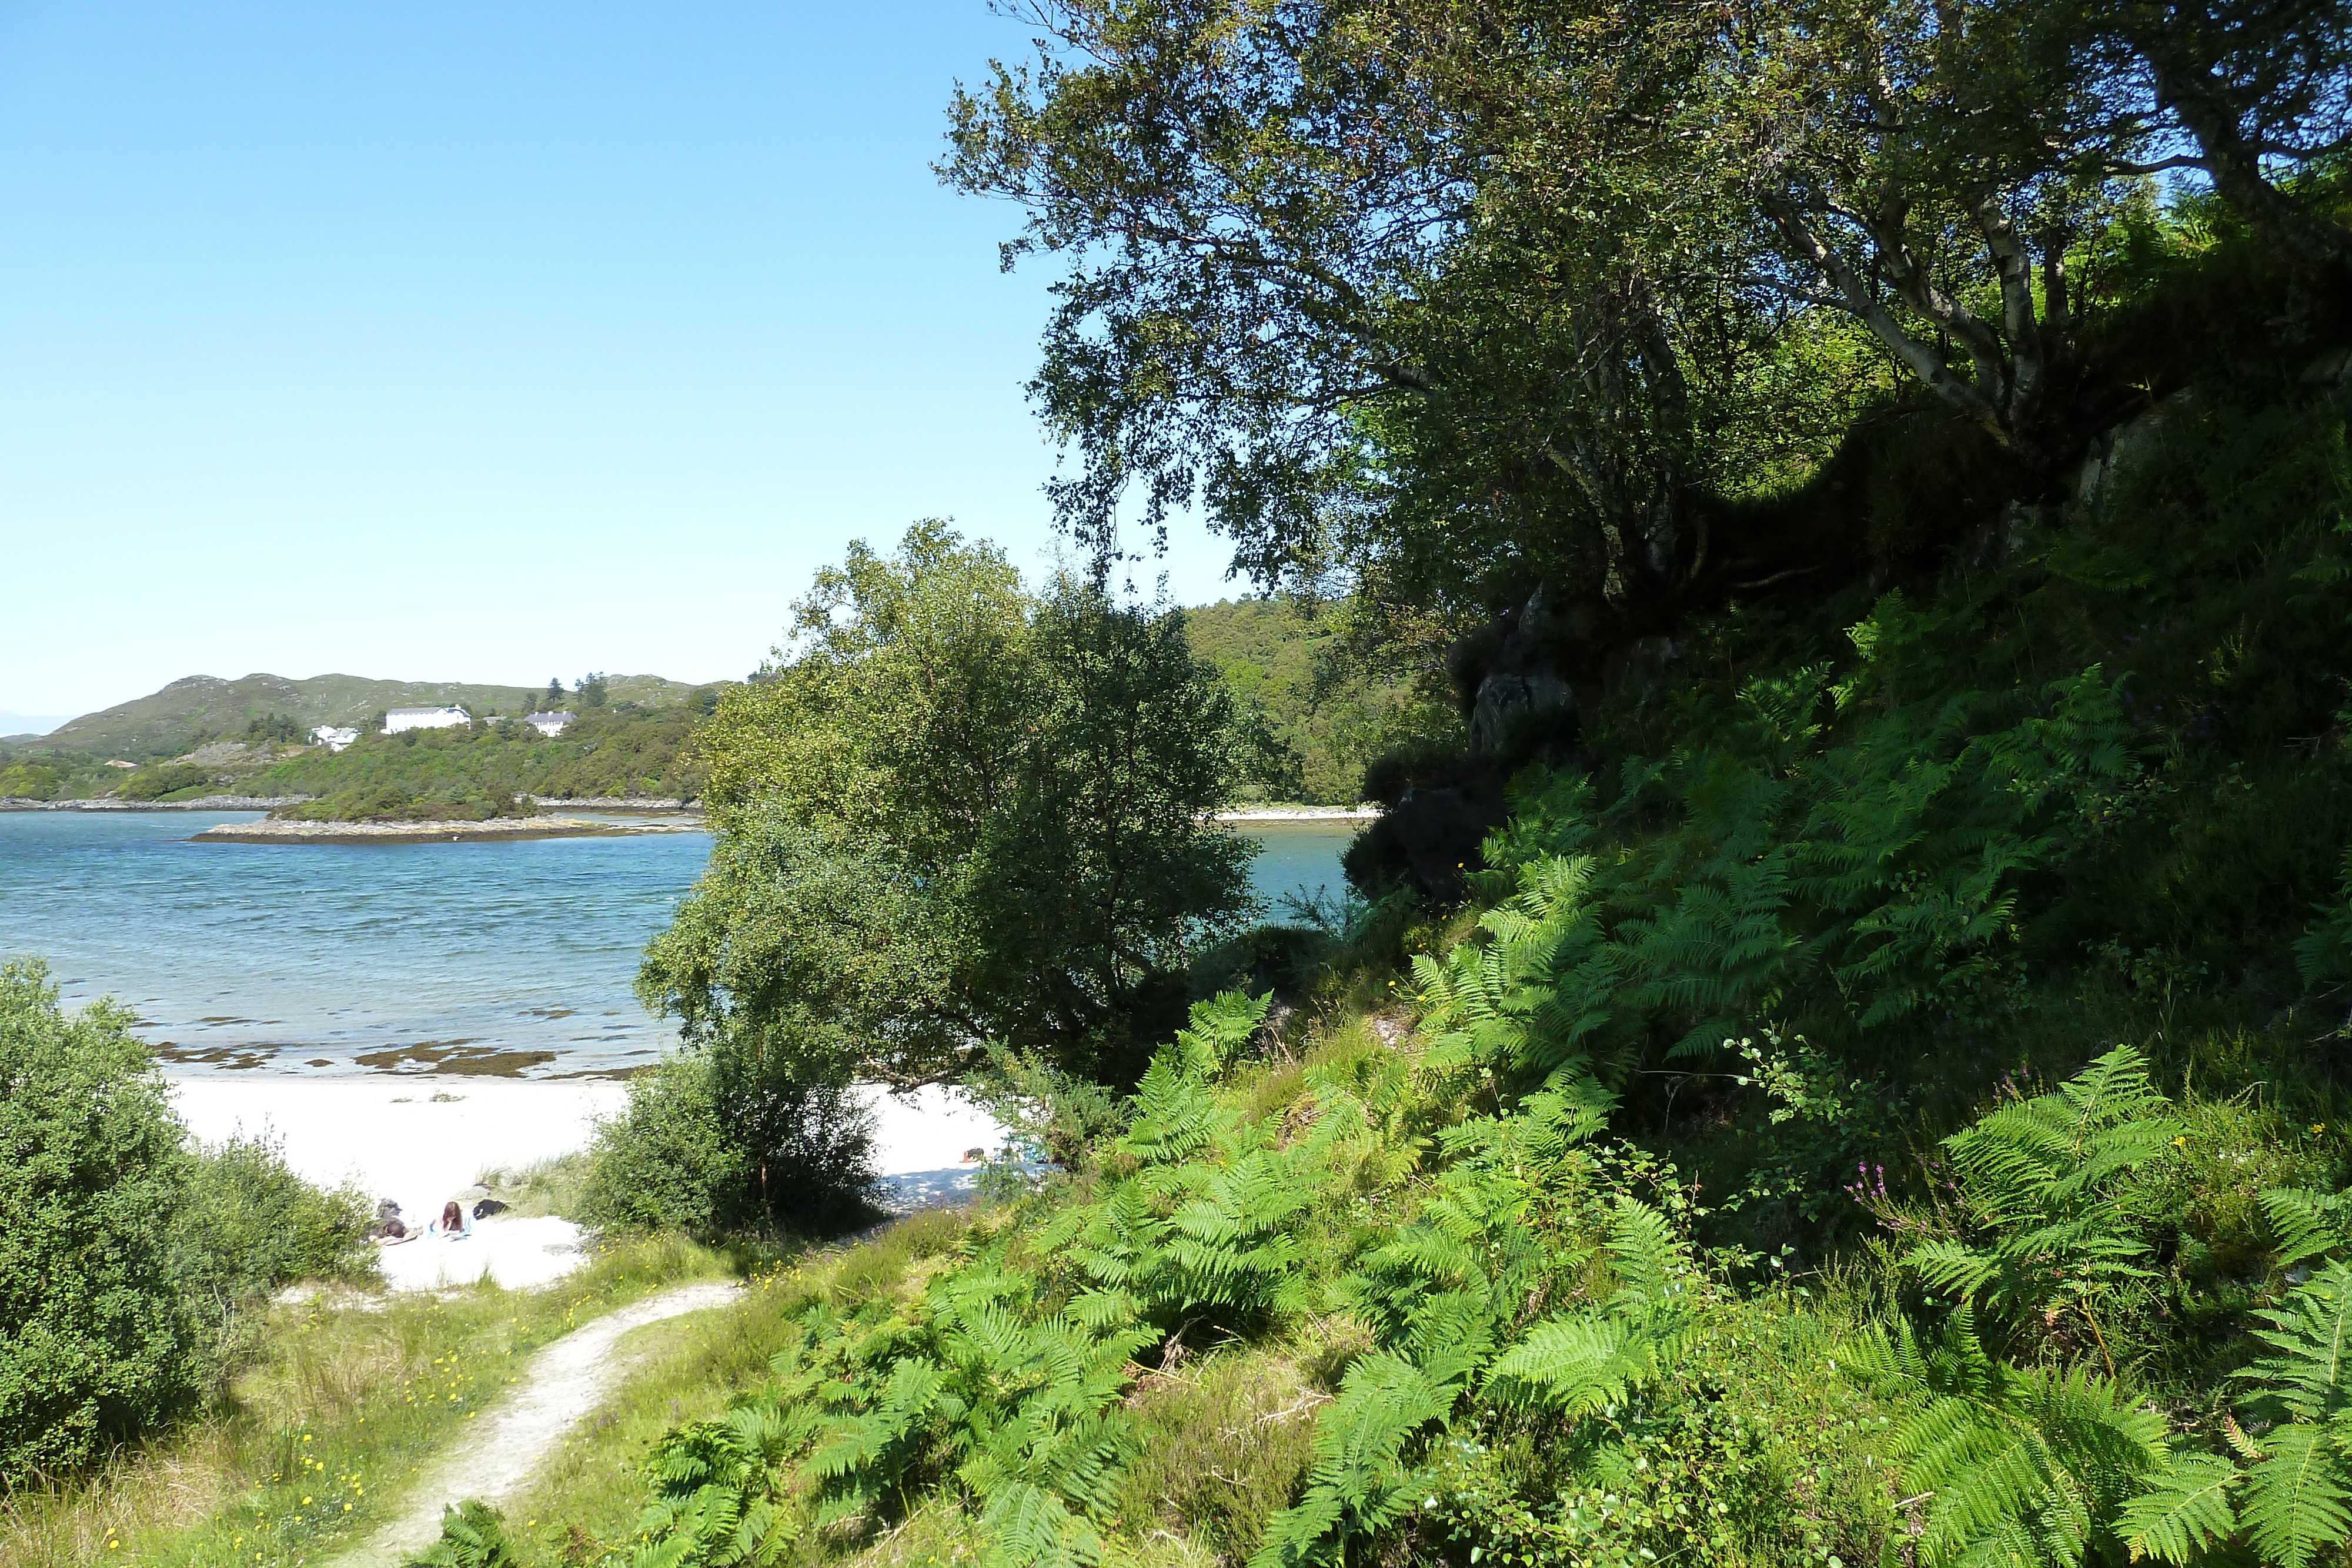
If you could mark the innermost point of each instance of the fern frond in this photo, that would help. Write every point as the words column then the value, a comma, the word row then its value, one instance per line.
column 2295, row 1497
column 2311, row 1336
column 1025, row 1526
column 1357, row 1480
column 2186, row 1510
column 1653, row 1264
column 2307, row 1224
column 1572, row 1366
column 1220, row 1027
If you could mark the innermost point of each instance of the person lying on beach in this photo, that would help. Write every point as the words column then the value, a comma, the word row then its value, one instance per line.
column 391, row 1230
column 455, row 1224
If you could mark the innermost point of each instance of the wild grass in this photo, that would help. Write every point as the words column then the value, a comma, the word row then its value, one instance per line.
column 317, row 1442
column 1225, row 1442
column 547, row 1186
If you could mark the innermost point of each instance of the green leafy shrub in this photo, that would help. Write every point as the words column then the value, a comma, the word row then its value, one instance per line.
column 393, row 801
column 248, row 1225
column 664, row 1163
column 158, row 779
column 128, row 1258
column 710, row 1145
column 97, row 1343
column 29, row 782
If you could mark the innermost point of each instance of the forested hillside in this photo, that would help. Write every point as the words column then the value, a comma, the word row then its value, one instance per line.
column 1291, row 662
column 483, row 769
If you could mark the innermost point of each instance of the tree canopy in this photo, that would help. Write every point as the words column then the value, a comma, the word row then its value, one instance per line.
column 952, row 812
column 1453, row 297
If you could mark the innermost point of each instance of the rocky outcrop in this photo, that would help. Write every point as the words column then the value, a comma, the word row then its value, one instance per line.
column 293, row 832
column 1520, row 678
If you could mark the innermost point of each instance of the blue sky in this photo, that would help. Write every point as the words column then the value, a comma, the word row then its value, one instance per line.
column 487, row 342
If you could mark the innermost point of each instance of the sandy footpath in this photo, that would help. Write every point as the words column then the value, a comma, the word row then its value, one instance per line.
column 420, row 1140
column 564, row 1381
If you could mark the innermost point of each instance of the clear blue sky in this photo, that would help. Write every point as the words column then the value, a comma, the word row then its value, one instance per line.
column 486, row 341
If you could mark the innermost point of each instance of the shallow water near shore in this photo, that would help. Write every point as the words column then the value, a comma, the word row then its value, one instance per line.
column 501, row 958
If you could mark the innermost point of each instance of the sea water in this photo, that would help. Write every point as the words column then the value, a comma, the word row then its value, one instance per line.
column 512, row 957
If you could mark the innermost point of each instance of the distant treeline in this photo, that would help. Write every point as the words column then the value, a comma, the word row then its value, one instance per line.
column 1286, row 661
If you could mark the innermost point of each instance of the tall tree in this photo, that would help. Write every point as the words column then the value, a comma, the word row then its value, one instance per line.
column 1456, row 296
column 953, row 813
column 1331, row 274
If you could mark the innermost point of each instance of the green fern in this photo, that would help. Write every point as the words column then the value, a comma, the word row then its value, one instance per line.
column 1359, row 1481
column 2187, row 1511
column 473, row 1535
column 1221, row 1027
column 2045, row 1185
column 1588, row 1361
column 2306, row 1224
column 2298, row 1495
column 713, row 1504
column 2323, row 954
column 2028, row 1466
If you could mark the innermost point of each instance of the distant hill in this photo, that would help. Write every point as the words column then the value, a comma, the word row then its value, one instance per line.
column 168, row 722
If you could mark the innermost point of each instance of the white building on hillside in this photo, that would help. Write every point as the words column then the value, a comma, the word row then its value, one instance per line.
column 549, row 723
column 333, row 737
column 400, row 718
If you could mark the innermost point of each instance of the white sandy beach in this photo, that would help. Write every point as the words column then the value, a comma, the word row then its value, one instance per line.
column 421, row 1140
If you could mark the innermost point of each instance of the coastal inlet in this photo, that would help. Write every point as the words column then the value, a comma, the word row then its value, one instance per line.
column 502, row 957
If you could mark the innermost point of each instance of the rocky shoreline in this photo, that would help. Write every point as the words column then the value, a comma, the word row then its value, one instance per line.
column 497, row 831
column 209, row 803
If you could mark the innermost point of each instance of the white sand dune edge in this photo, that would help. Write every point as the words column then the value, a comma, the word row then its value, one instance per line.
column 419, row 1140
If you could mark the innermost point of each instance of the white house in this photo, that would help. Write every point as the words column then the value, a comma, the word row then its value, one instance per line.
column 333, row 738
column 549, row 723
column 399, row 718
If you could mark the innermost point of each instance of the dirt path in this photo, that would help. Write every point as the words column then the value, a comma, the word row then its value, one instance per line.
column 565, row 1381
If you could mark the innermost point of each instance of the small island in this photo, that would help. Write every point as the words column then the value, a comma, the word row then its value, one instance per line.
column 288, row 830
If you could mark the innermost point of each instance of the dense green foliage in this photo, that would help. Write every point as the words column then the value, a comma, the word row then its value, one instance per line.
column 1286, row 661
column 1503, row 1337
column 1865, row 1082
column 956, row 812
column 246, row 1225
column 388, row 801
column 473, row 1535
column 158, row 779
column 708, row 1147
column 1881, row 1103
column 1451, row 299
column 26, row 776
column 94, row 1343
column 124, row 1254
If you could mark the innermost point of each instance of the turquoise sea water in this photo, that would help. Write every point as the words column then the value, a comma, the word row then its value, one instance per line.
column 336, row 958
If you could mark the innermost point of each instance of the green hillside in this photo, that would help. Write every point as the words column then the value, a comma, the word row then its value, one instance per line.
column 200, row 707
column 1276, row 655
column 475, row 771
